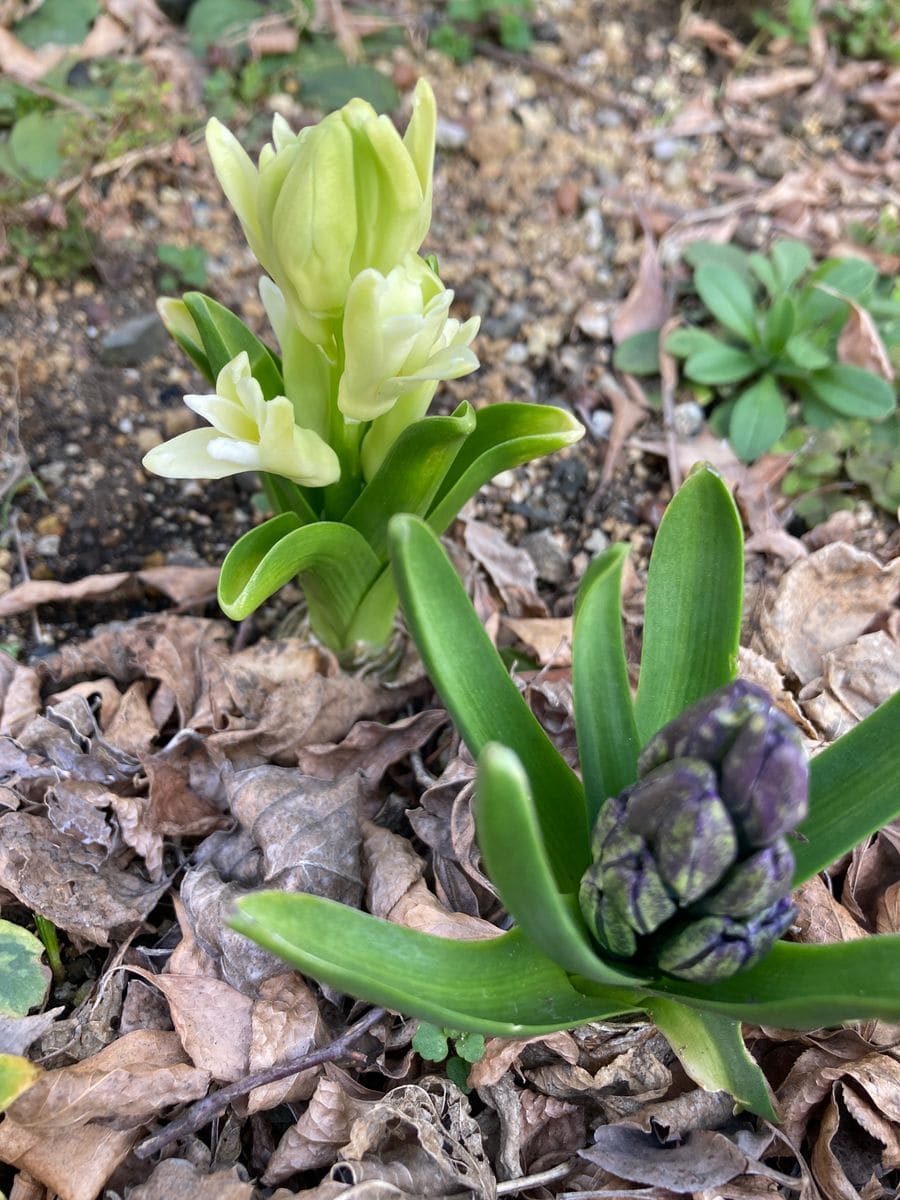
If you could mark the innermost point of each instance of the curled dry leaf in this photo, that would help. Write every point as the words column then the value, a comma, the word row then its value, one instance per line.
column 184, row 585
column 323, row 1128
column 646, row 307
column 397, row 892
column 821, row 918
column 20, row 695
column 855, row 680
column 860, row 343
column 512, row 571
column 714, row 36
column 552, row 1131
column 371, row 747
column 178, row 1179
column 75, row 1125
column 826, row 601
column 501, row 1053
column 704, row 1159
column 47, row 872
column 751, row 89
column 422, row 1138
column 547, row 639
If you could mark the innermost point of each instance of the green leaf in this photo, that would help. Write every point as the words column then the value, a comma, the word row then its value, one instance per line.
column 23, row 977
column 57, row 23
column 410, row 475
column 210, row 21
column 720, row 364
column 483, row 701
column 853, row 391
column 803, row 987
column 36, row 143
column 805, row 354
column 224, row 336
column 608, row 742
column 505, row 436
column 638, row 354
column 711, row 1049
column 718, row 254
column 334, row 563
column 286, row 496
column 778, row 325
column 502, row 986
column 791, row 259
column 331, row 87
column 470, row 1046
column 511, row 844
column 692, row 616
column 690, row 340
column 853, row 791
column 852, row 277
column 758, row 419
column 17, row 1075
column 430, row 1042
column 728, row 297
column 764, row 272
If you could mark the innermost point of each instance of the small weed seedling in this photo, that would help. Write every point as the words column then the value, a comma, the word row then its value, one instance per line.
column 432, row 1042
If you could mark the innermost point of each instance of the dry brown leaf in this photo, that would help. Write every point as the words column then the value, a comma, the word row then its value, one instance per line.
column 826, row 601
column 646, row 307
column 628, row 413
column 178, row 1179
column 324, row 1127
column 703, row 1159
column 500, row 1054
column 212, row 1020
column 820, row 918
column 714, row 36
column 856, row 679
column 397, row 892
column 860, row 343
column 284, row 1024
column 705, row 447
column 45, row 591
column 132, row 727
column 547, row 639
column 16, row 59
column 46, row 872
column 73, row 1165
column 423, row 1139
column 371, row 747
column 751, row 89
column 20, row 695
column 552, row 1130
column 512, row 570
column 126, row 1084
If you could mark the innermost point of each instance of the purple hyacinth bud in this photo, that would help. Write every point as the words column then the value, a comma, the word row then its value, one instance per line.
column 630, row 879
column 765, row 778
column 707, row 729
column 753, row 884
column 605, row 922
column 677, row 811
column 714, row 948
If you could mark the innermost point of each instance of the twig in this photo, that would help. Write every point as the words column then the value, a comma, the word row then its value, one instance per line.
column 214, row 1105
column 36, row 632
column 508, row 1186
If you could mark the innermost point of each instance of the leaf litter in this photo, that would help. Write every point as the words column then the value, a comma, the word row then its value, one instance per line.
column 153, row 772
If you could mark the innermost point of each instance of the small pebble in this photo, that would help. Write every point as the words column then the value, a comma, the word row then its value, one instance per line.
column 597, row 542
column 688, row 419
column 550, row 560
column 450, row 135
column 147, row 438
column 516, row 354
column 47, row 546
column 601, row 422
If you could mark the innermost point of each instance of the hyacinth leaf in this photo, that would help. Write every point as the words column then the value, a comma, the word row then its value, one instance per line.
column 712, row 1051
column 604, row 714
column 692, row 618
column 375, row 613
column 23, row 976
column 505, row 436
column 503, row 986
column 334, row 561
column 410, row 475
column 509, row 837
column 224, row 336
column 483, row 701
column 286, row 496
column 17, row 1075
column 802, row 987
column 853, row 791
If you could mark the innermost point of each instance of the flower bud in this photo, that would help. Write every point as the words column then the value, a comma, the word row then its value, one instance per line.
column 714, row 948
column 397, row 335
column 331, row 201
column 692, row 872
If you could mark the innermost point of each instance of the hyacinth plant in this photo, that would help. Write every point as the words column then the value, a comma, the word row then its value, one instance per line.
column 696, row 790
column 336, row 423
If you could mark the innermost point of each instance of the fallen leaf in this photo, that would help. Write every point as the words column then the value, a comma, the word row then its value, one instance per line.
column 93, row 902
column 646, row 307
column 703, row 1159
column 714, row 36
column 322, row 1129
column 547, row 639
column 20, row 695
column 826, row 601
column 751, row 89
column 178, row 1179
column 860, row 343
column 820, row 917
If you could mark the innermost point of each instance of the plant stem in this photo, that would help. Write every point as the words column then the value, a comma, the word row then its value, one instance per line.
column 46, row 931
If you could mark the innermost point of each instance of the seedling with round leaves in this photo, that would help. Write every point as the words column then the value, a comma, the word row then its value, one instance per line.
column 534, row 814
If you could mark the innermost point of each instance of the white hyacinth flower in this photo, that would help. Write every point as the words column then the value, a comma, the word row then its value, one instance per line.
column 398, row 335
column 249, row 433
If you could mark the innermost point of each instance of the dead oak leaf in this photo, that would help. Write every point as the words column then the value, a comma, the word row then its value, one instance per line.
column 178, row 1179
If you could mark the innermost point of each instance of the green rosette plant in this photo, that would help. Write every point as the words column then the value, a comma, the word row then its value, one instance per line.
column 336, row 423
column 562, row 964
